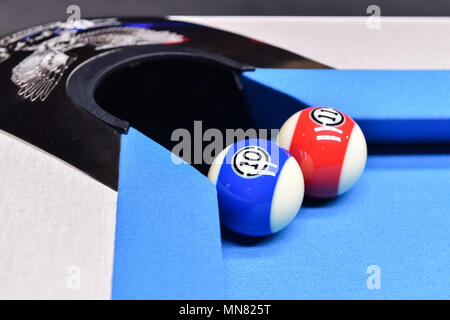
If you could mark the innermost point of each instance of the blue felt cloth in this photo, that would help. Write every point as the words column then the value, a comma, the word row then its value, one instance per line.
column 168, row 241
column 390, row 106
column 396, row 217
column 167, row 235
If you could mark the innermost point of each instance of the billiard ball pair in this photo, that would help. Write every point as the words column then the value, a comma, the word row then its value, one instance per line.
column 320, row 152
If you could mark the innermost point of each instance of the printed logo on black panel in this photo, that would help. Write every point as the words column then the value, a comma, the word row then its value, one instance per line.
column 327, row 117
column 252, row 162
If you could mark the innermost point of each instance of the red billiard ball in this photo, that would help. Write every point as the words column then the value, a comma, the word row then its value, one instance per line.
column 329, row 147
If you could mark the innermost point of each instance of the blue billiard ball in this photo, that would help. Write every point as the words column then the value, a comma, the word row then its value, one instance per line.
column 259, row 185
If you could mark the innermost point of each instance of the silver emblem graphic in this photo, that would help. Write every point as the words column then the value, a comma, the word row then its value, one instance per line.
column 327, row 116
column 4, row 54
column 252, row 162
column 39, row 73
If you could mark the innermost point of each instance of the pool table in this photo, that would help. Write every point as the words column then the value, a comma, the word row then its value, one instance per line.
column 96, row 206
column 393, row 221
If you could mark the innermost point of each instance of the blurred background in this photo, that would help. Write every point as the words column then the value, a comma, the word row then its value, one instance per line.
column 18, row 14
